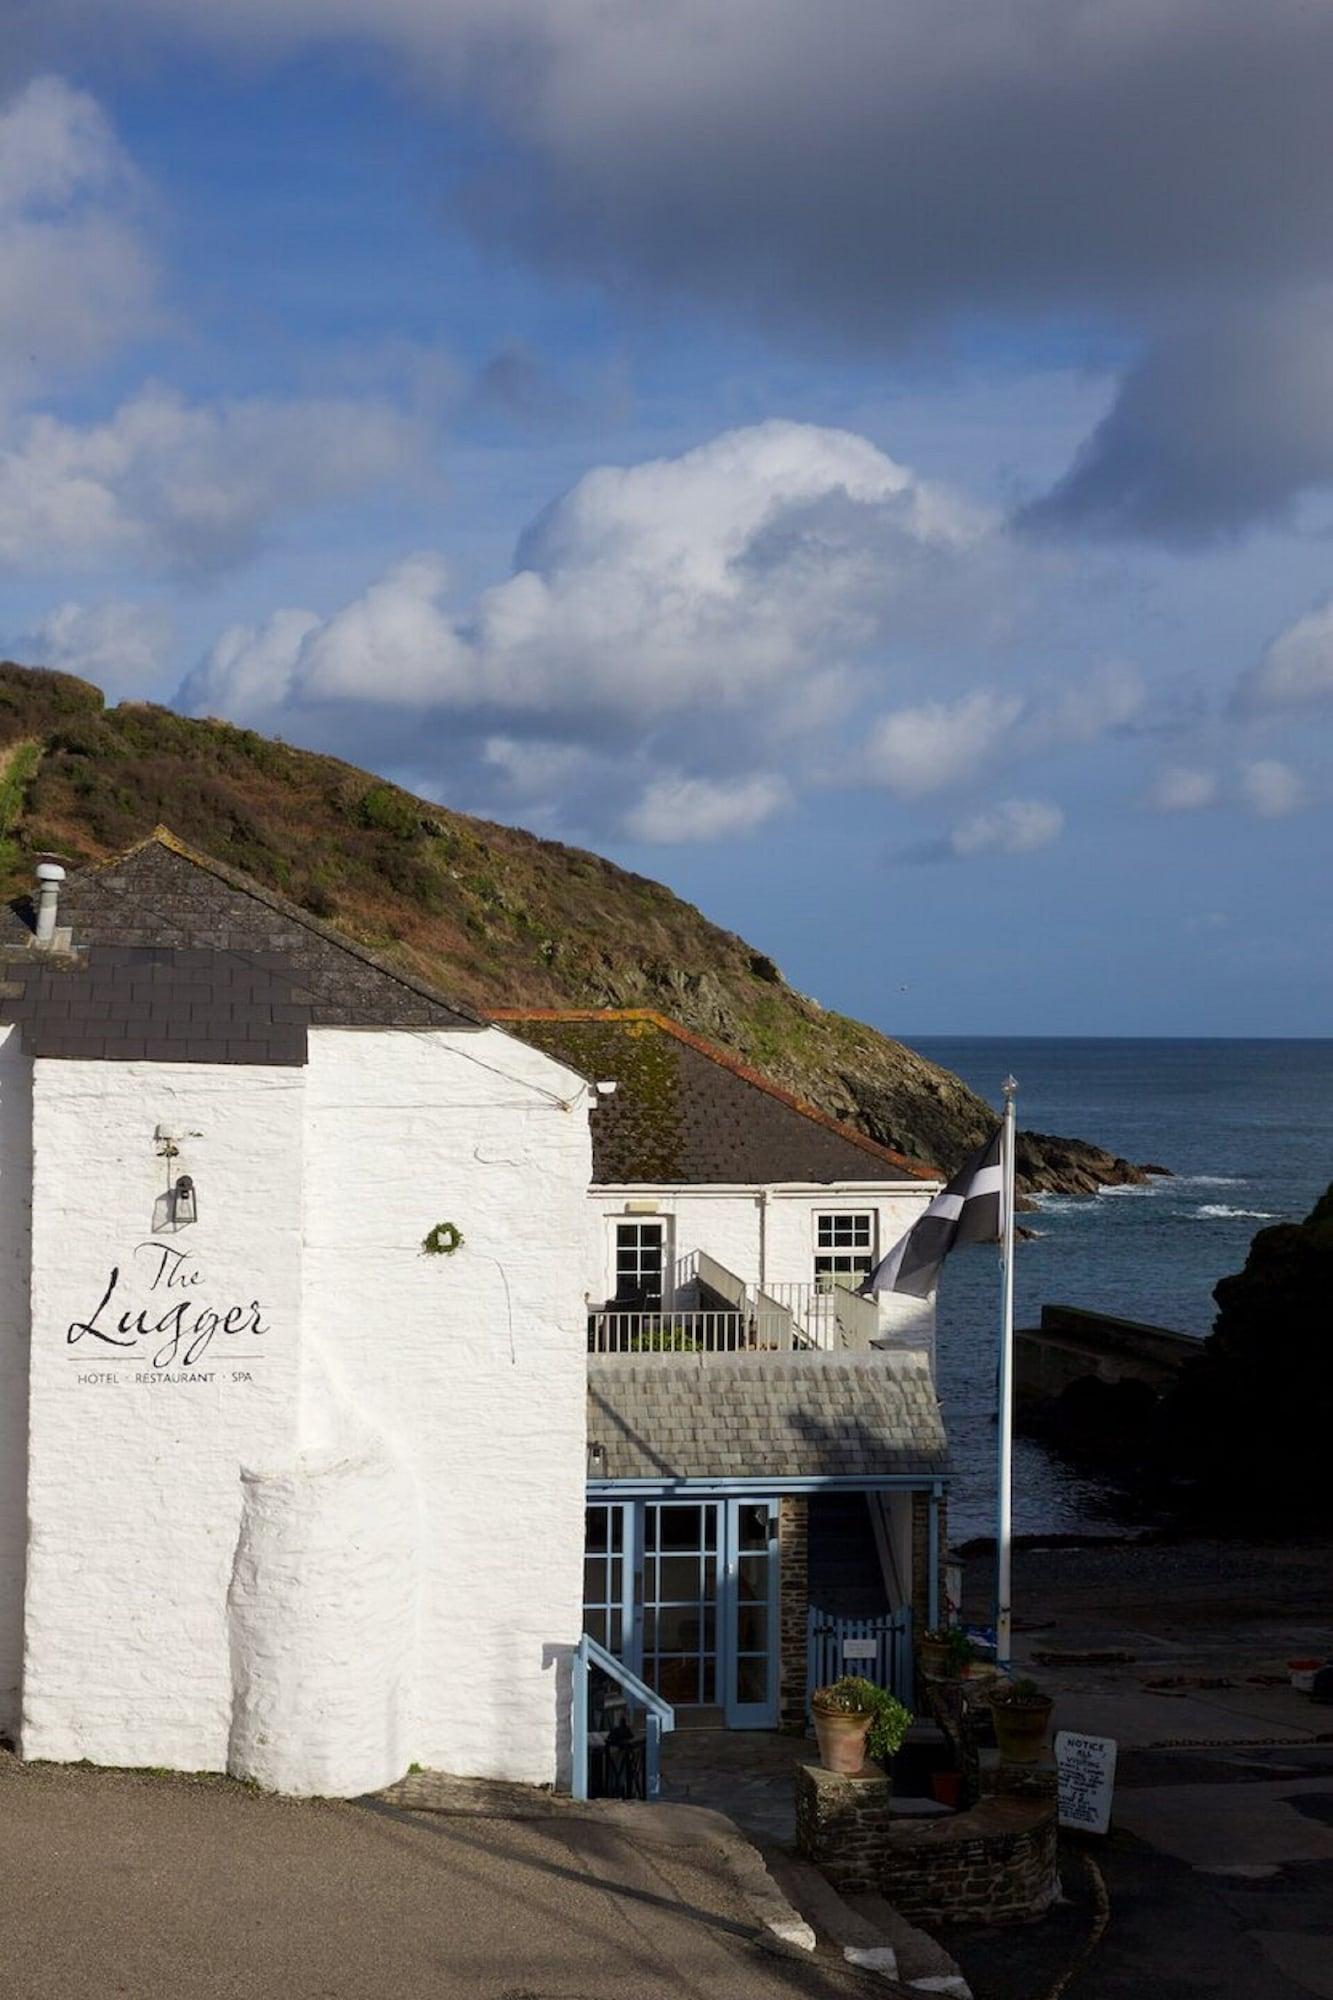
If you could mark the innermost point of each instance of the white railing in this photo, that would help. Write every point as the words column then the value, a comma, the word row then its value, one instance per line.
column 684, row 1331
column 830, row 1315
column 812, row 1317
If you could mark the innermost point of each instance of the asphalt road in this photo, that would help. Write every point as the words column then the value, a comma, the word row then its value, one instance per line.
column 124, row 1884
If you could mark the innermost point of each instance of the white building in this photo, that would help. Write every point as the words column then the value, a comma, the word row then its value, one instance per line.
column 281, row 1491
column 329, row 1329
column 766, row 1453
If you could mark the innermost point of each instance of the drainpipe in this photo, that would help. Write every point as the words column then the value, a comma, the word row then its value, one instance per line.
column 763, row 1239
column 50, row 875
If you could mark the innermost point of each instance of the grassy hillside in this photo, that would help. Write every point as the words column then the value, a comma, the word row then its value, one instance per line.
column 492, row 915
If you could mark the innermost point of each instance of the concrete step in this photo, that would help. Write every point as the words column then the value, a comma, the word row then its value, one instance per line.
column 868, row 1933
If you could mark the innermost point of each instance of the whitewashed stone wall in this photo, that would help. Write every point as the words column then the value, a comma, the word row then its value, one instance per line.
column 137, row 1438
column 321, row 1514
column 472, row 1366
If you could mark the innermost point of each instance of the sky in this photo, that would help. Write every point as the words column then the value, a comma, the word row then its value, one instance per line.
column 870, row 467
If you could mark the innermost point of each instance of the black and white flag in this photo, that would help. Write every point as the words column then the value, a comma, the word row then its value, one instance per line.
column 968, row 1211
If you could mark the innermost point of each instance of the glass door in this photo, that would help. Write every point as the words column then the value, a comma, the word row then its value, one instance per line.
column 681, row 1564
column 750, row 1640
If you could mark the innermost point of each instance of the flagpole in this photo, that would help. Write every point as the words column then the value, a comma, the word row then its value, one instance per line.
column 1004, row 1524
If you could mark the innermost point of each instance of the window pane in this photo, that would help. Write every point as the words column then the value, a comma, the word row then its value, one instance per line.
column 614, row 1642
column 679, row 1580
column 751, row 1628
column 752, row 1680
column 677, row 1680
column 617, row 1515
column 753, row 1530
column 594, row 1624
column 594, row 1580
column 679, row 1629
column 752, row 1579
column 708, row 1691
column 680, row 1527
column 594, row 1527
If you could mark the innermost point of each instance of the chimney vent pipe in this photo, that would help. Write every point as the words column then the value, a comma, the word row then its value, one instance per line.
column 50, row 875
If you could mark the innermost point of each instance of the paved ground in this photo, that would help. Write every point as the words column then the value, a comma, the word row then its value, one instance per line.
column 1219, row 1868
column 748, row 1774
column 123, row 1884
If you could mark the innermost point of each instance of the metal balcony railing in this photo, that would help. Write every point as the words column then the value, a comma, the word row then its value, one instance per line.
column 779, row 1319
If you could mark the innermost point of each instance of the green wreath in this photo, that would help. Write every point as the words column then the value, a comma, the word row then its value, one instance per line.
column 443, row 1240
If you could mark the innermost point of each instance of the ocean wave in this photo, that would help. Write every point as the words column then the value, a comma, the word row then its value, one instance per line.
column 1217, row 1211
column 1207, row 1180
column 1133, row 1188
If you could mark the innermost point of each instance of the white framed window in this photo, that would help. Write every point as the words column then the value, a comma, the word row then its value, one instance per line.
column 640, row 1263
column 844, row 1247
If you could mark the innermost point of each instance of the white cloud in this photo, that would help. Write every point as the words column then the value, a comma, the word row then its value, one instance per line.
column 1015, row 826
column 75, row 274
column 248, row 673
column 677, row 808
column 1180, row 788
column 1296, row 671
column 121, row 647
column 538, row 772
column 915, row 751
column 732, row 578
column 183, row 486
column 1271, row 789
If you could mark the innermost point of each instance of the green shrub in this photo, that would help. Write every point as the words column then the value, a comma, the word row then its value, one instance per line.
column 386, row 810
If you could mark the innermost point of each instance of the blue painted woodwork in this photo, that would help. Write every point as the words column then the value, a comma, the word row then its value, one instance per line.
column 890, row 1667
column 659, row 1716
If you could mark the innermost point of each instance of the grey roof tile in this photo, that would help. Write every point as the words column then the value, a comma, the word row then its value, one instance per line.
column 745, row 1416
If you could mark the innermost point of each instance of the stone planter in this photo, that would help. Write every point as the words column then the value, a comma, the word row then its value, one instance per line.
column 1020, row 1730
column 842, row 1741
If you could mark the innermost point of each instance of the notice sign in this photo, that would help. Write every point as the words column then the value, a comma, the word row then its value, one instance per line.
column 1086, row 1766
column 860, row 1649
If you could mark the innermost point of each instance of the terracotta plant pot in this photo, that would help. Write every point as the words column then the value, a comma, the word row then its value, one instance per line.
column 1020, row 1731
column 842, row 1742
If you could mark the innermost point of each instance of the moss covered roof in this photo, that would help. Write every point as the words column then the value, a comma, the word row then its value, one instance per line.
column 687, row 1113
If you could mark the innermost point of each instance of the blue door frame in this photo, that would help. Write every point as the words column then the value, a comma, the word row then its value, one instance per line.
column 744, row 1606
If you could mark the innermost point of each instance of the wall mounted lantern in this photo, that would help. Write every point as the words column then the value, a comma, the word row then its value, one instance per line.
column 184, row 1201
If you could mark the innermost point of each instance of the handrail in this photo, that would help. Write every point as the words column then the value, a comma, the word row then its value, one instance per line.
column 659, row 1715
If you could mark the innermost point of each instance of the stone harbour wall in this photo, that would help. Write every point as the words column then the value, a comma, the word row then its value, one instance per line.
column 997, row 1862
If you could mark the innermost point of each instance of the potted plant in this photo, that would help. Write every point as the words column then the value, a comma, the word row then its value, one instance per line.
column 959, row 1653
column 1021, row 1711
column 853, row 1719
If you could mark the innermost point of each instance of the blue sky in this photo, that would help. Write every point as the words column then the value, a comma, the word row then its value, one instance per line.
column 869, row 468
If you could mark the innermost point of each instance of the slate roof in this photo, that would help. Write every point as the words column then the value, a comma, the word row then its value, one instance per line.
column 176, row 958
column 138, row 1003
column 688, row 1113
column 762, row 1416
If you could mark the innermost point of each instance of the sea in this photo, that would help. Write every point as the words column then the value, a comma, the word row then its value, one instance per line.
column 1246, row 1128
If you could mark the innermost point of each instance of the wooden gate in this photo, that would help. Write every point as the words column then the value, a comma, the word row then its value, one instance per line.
column 878, row 1648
